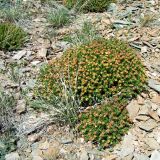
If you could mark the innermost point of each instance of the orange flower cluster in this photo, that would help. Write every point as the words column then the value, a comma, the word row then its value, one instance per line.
column 101, row 69
column 106, row 124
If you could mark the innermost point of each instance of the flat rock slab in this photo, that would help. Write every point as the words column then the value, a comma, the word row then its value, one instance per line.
column 155, row 155
column 142, row 118
column 7, row 83
column 154, row 115
column 133, row 109
column 156, row 99
column 127, row 146
column 84, row 155
column 12, row 156
column 154, row 85
column 148, row 125
column 33, row 123
column 141, row 157
column 152, row 143
column 19, row 55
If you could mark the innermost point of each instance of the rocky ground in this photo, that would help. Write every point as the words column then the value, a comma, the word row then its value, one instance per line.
column 137, row 22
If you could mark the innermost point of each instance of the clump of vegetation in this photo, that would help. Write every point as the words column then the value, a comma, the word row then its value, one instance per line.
column 13, row 12
column 85, row 35
column 7, row 138
column 7, row 104
column 59, row 17
column 100, row 69
column 89, row 5
column 7, row 144
column 11, row 37
column 106, row 124
column 63, row 109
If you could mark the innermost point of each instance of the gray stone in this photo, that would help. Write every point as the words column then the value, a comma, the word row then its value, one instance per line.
column 42, row 53
column 70, row 156
column 92, row 157
column 34, row 63
column 141, row 157
column 129, row 157
column 109, row 157
column 140, row 100
column 155, row 155
column 152, row 143
column 35, row 145
column 154, row 106
column 36, row 152
column 33, row 137
column 112, row 8
column 148, row 125
column 158, row 46
column 60, row 46
column 132, row 8
column 95, row 152
column 154, row 115
column 84, row 155
column 142, row 118
column 144, row 49
column 21, row 106
column 12, row 156
column 158, row 112
column 156, row 99
column 127, row 12
column 154, row 85
column 33, row 123
column 133, row 109
column 66, row 141
column 44, row 145
column 127, row 146
column 2, row 67
column 26, row 69
column 19, row 55
column 37, row 158
column 144, row 110
column 120, row 24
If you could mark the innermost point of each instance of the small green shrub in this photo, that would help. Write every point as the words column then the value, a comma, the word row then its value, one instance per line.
column 105, row 125
column 85, row 35
column 59, row 17
column 102, row 68
column 88, row 5
column 11, row 37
